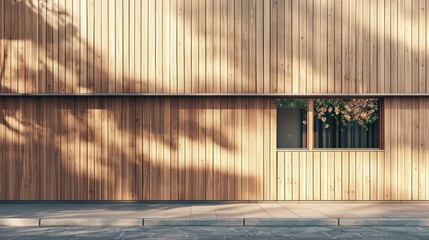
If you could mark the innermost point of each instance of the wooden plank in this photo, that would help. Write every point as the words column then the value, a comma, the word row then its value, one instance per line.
column 202, row 62
column 331, row 46
column 231, row 148
column 316, row 175
column 76, row 49
column 295, row 46
column 187, row 13
column 42, row 41
column 324, row 175
column 366, row 177
column 373, row 48
column 192, row 16
column 181, row 47
column 259, row 46
column 381, row 184
column 281, row 176
column 288, row 44
column 98, row 151
column 388, row 148
column 394, row 149
column 267, row 146
column 166, row 15
column 223, row 57
column 267, row 40
column 352, row 57
column 158, row 44
column 209, row 46
column 345, row 41
column 359, row 176
column 166, row 138
column 104, row 46
column 386, row 44
column 83, row 61
column 193, row 154
column 295, row 175
column 98, row 23
column 245, row 149
column 173, row 46
column 147, row 103
column 366, row 47
column 426, row 150
column 259, row 148
column 174, row 171
column 159, row 163
column 209, row 168
column 273, row 47
column 302, row 176
column 401, row 46
column 118, row 151
column 245, row 48
column 288, row 192
column 43, row 174
column 373, row 176
column 345, row 168
column 252, row 149
column 145, row 46
column 217, row 133
column 394, row 51
column 202, row 129
column 153, row 159
column 422, row 150
column 151, row 39
column 251, row 82
column 338, row 185
column 414, row 46
column 22, row 52
column 415, row 148
column 331, row 177
column 238, row 122
column 273, row 141
column 323, row 47
column 303, row 46
column 132, row 146
column 422, row 45
column 309, row 53
column 352, row 176
column 381, row 44
column 407, row 153
column 90, row 51
column 359, row 46
column 281, row 44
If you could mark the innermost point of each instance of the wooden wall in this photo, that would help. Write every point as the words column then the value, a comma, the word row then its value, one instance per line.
column 197, row 148
column 214, row 46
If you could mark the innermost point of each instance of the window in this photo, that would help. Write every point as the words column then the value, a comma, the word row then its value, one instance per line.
column 291, row 123
column 336, row 123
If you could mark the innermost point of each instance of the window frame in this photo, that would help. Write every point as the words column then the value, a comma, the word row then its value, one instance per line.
column 310, row 125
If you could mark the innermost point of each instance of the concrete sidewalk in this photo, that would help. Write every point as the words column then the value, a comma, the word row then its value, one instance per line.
column 215, row 214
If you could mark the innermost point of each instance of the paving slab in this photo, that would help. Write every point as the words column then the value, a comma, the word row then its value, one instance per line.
column 19, row 222
column 99, row 222
column 383, row 222
column 291, row 222
column 193, row 222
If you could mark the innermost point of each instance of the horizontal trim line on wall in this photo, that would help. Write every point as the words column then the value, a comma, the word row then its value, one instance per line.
column 212, row 95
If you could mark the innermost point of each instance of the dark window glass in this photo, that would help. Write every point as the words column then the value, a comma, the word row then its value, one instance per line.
column 291, row 123
column 347, row 123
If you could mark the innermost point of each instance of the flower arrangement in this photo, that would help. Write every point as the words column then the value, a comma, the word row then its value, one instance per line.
column 346, row 112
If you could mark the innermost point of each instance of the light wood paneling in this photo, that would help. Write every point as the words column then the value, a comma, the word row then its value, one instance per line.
column 205, row 148
column 177, row 46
